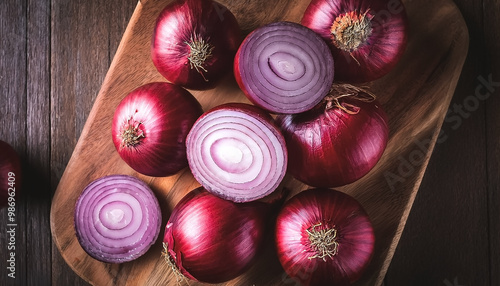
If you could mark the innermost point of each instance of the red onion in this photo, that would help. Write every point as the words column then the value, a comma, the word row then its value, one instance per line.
column 324, row 237
column 194, row 42
column 117, row 218
column 337, row 142
column 236, row 152
column 367, row 37
column 213, row 240
column 10, row 175
column 284, row 67
column 150, row 126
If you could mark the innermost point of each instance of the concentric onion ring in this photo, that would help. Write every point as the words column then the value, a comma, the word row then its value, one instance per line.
column 236, row 152
column 284, row 68
column 117, row 218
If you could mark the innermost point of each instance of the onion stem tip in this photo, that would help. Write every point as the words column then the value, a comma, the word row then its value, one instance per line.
column 171, row 263
column 323, row 242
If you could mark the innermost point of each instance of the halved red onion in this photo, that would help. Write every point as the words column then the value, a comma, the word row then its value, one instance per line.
column 284, row 67
column 117, row 218
column 324, row 237
column 367, row 37
column 236, row 152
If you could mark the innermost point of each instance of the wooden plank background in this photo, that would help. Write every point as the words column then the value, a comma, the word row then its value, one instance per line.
column 54, row 55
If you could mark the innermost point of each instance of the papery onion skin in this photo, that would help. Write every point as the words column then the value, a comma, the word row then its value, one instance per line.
column 284, row 68
column 213, row 240
column 331, row 147
column 161, row 115
column 236, row 151
column 324, row 209
column 10, row 174
column 206, row 25
column 385, row 41
column 117, row 218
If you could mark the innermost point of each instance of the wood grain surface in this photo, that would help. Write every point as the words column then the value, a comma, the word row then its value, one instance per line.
column 56, row 53
column 416, row 96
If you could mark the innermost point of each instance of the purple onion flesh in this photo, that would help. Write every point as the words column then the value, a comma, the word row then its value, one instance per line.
column 284, row 67
column 117, row 218
column 237, row 152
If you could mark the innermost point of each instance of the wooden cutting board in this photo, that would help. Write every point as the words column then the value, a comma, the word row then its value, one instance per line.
column 415, row 96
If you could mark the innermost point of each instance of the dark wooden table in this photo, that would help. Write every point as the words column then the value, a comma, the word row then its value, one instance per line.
column 55, row 54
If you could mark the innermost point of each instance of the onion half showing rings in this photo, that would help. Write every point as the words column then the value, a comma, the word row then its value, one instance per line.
column 117, row 218
column 284, row 68
column 236, row 152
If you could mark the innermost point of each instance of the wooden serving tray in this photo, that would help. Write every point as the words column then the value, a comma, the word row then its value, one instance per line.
column 415, row 96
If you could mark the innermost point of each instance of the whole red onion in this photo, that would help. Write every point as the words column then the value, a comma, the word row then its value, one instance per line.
column 213, row 240
column 324, row 237
column 150, row 126
column 337, row 142
column 194, row 43
column 10, row 175
column 367, row 37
